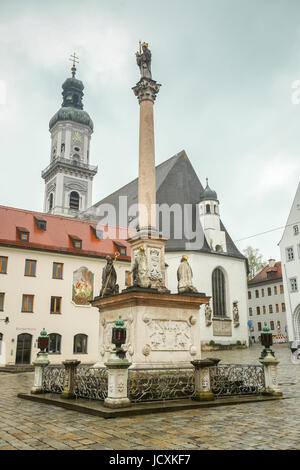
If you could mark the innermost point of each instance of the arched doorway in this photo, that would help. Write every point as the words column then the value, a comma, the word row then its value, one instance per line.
column 23, row 353
column 297, row 323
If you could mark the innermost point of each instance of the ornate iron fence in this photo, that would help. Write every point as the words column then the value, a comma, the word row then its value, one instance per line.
column 160, row 384
column 53, row 379
column 91, row 383
column 237, row 379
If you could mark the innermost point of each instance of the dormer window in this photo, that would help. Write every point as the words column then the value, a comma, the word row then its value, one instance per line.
column 121, row 249
column 97, row 232
column 76, row 242
column 23, row 234
column 41, row 224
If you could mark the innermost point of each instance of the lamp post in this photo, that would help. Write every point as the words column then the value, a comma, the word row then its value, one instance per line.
column 266, row 339
column 119, row 337
column 40, row 362
column 117, row 368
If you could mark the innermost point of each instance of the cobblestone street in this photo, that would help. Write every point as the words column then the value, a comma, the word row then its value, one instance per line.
column 267, row 425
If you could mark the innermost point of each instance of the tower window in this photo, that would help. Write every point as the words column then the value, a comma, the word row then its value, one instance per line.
column 74, row 200
column 51, row 202
column 207, row 208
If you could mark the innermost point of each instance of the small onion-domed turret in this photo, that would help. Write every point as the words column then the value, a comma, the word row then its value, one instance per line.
column 208, row 194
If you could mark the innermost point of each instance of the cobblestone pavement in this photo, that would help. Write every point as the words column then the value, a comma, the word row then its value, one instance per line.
column 266, row 425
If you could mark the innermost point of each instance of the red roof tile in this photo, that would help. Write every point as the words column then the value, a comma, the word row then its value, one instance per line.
column 262, row 276
column 57, row 235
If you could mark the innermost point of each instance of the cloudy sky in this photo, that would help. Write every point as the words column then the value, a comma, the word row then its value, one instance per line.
column 227, row 68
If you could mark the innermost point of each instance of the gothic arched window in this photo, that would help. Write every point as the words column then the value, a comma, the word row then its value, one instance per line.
column 219, row 292
column 74, row 200
column 80, row 344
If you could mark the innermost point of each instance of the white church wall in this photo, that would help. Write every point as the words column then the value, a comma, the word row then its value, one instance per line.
column 203, row 265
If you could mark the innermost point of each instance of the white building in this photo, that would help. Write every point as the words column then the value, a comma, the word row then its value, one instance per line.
column 290, row 259
column 50, row 267
column 266, row 303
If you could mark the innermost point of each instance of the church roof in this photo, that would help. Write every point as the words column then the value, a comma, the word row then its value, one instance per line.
column 176, row 182
column 58, row 232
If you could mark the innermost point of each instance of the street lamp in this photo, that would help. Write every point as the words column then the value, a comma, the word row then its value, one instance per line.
column 119, row 337
column 266, row 339
column 43, row 341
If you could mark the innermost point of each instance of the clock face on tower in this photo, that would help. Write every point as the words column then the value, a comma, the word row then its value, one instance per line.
column 77, row 137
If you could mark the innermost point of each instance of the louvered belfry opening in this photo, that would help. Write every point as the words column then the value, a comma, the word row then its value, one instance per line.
column 74, row 200
column 219, row 293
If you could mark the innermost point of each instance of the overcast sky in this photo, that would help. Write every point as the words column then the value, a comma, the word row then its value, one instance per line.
column 226, row 67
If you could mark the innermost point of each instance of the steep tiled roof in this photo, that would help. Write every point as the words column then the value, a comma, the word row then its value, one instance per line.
column 176, row 183
column 59, row 233
column 268, row 274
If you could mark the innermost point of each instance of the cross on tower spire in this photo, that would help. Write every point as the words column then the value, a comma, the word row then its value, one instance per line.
column 75, row 61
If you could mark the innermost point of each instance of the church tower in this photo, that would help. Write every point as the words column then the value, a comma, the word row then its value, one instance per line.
column 210, row 219
column 69, row 176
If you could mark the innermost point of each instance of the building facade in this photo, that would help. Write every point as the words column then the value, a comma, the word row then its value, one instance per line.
column 266, row 303
column 290, row 260
column 50, row 268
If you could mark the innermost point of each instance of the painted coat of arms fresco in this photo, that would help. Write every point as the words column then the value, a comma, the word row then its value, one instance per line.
column 83, row 286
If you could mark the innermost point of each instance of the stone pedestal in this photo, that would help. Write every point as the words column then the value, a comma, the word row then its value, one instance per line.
column 271, row 375
column 41, row 362
column 117, row 369
column 202, row 380
column 155, row 252
column 162, row 329
column 69, row 383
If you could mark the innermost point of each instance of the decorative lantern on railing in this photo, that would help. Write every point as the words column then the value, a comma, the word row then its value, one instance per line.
column 266, row 339
column 43, row 341
column 119, row 336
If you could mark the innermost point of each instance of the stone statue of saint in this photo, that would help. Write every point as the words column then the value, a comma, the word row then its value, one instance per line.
column 235, row 312
column 208, row 312
column 140, row 270
column 109, row 279
column 185, row 276
column 143, row 60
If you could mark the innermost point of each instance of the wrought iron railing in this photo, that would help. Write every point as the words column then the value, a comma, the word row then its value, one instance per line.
column 90, row 383
column 237, row 379
column 160, row 384
column 146, row 385
column 53, row 379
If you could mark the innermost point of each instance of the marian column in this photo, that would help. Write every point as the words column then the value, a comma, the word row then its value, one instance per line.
column 148, row 247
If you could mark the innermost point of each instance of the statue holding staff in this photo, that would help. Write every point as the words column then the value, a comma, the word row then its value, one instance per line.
column 143, row 59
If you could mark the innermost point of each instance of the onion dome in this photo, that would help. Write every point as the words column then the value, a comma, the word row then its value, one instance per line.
column 208, row 194
column 72, row 106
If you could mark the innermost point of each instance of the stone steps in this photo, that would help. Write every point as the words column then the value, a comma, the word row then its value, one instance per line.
column 16, row 369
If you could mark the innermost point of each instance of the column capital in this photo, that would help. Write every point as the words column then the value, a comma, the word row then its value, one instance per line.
column 146, row 89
